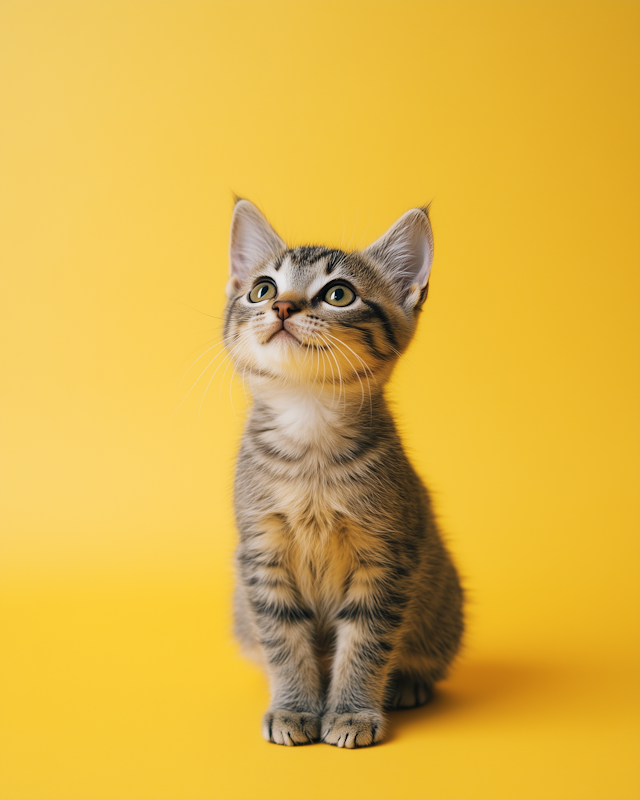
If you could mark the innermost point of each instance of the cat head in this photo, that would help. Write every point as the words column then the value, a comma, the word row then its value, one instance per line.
column 319, row 316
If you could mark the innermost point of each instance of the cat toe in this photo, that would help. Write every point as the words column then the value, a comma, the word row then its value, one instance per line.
column 353, row 729
column 290, row 728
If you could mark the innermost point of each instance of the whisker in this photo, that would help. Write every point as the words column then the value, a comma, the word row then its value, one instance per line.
column 324, row 369
column 216, row 344
column 238, row 359
column 229, row 359
column 333, row 400
column 367, row 369
column 244, row 386
column 246, row 346
column 355, row 371
column 361, row 360
column 233, row 408
column 317, row 353
column 196, row 309
column 333, row 382
column 228, row 355
column 196, row 381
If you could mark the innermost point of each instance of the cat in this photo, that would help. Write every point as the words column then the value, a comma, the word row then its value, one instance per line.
column 345, row 591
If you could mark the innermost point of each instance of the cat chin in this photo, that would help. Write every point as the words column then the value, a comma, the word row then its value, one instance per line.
column 289, row 364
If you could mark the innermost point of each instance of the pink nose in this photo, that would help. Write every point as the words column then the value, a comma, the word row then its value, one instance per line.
column 285, row 308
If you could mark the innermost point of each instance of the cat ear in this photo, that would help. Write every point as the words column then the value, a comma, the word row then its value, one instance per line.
column 405, row 253
column 252, row 240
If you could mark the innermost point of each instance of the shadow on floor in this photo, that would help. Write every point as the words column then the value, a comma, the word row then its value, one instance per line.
column 478, row 687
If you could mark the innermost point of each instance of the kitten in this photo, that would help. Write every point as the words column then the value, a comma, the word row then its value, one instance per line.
column 345, row 591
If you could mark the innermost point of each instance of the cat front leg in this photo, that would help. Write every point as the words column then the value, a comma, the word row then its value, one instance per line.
column 296, row 703
column 367, row 634
column 285, row 630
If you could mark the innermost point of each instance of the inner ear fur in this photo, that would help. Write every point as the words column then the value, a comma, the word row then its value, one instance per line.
column 252, row 240
column 405, row 253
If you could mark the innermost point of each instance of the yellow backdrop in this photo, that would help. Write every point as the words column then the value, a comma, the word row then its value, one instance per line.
column 126, row 126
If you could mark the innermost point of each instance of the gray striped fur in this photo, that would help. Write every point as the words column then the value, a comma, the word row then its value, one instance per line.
column 345, row 591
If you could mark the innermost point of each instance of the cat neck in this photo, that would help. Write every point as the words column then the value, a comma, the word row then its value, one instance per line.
column 306, row 417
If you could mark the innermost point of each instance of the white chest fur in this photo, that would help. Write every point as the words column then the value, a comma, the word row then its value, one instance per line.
column 309, row 423
column 308, row 431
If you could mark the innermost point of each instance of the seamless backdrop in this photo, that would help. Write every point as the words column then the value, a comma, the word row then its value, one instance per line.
column 126, row 127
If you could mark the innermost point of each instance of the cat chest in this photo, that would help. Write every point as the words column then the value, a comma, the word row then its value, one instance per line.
column 320, row 569
column 312, row 505
column 316, row 542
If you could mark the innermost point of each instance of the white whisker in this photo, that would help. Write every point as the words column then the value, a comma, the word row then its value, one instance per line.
column 221, row 342
column 330, row 351
column 228, row 355
column 196, row 381
column 367, row 369
column 364, row 234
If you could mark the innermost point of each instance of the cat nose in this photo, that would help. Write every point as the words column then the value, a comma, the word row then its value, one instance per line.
column 285, row 308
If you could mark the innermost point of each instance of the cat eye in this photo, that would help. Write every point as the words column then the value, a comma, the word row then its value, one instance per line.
column 262, row 291
column 339, row 295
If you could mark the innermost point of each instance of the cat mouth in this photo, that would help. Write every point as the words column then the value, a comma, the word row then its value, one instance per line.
column 283, row 335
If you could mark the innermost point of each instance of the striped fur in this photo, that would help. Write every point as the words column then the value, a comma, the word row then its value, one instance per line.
column 345, row 591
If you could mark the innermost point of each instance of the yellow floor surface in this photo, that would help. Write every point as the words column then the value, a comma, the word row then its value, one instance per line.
column 137, row 692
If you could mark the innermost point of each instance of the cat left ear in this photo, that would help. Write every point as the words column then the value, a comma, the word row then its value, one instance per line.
column 405, row 252
column 253, row 240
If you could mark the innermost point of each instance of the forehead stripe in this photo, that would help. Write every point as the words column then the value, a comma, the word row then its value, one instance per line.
column 334, row 259
column 308, row 255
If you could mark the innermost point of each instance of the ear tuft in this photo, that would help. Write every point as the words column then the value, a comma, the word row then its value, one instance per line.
column 405, row 254
column 253, row 240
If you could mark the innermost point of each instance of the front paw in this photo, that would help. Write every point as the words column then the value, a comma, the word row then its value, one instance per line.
column 290, row 727
column 353, row 729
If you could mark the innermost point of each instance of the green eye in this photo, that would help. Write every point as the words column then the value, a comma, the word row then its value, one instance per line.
column 264, row 290
column 339, row 295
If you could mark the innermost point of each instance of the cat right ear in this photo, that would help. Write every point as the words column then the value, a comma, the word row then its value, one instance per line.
column 405, row 253
column 253, row 240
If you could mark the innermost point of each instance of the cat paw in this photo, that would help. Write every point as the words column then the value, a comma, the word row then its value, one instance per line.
column 353, row 729
column 407, row 692
column 292, row 728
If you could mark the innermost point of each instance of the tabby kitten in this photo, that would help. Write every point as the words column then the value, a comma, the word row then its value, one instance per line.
column 345, row 590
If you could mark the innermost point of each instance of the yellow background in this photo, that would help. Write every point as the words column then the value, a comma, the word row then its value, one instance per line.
column 125, row 128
